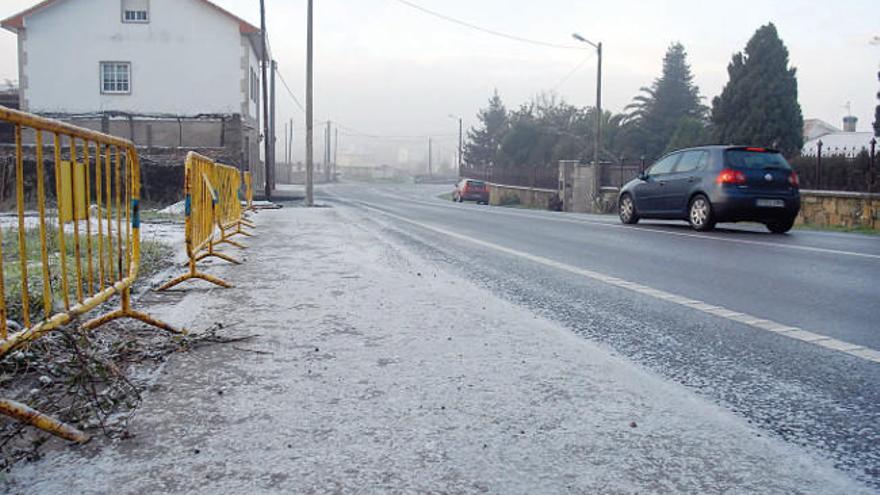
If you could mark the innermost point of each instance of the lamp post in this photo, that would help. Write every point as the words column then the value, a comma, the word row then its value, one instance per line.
column 598, row 47
column 460, row 144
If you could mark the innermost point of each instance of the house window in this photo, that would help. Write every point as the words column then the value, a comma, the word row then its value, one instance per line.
column 115, row 77
column 255, row 87
column 136, row 11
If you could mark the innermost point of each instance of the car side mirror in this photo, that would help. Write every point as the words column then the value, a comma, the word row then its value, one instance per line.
column 643, row 176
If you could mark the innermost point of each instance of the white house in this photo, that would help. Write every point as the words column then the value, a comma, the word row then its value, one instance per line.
column 849, row 142
column 165, row 73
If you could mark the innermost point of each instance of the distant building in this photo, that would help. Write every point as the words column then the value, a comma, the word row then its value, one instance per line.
column 848, row 143
column 814, row 128
column 163, row 73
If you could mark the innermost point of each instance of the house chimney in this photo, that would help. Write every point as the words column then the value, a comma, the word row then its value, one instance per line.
column 849, row 123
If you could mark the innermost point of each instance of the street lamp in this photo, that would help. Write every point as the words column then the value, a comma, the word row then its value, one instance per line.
column 460, row 144
column 598, row 48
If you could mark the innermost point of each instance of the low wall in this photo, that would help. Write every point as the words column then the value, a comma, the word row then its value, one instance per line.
column 840, row 209
column 531, row 197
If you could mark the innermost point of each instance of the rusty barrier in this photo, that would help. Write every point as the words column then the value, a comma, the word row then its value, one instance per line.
column 82, row 254
column 202, row 206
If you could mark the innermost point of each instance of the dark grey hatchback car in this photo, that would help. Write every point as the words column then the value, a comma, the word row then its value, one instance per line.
column 712, row 184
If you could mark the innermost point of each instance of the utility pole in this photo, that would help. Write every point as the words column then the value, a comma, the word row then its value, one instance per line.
column 597, row 145
column 310, row 112
column 460, row 144
column 274, row 141
column 335, row 154
column 286, row 145
column 290, row 155
column 598, row 109
column 327, row 156
column 267, row 149
column 460, row 148
column 430, row 157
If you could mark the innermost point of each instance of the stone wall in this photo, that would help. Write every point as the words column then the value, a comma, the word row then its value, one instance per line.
column 527, row 196
column 840, row 209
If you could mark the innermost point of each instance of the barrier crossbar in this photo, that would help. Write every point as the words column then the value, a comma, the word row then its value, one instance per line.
column 68, row 265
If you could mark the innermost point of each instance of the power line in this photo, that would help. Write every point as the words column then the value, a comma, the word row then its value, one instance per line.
column 573, row 71
column 290, row 92
column 487, row 30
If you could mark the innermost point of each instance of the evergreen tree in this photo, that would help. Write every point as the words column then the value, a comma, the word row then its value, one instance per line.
column 484, row 142
column 759, row 105
column 877, row 113
column 689, row 133
column 656, row 114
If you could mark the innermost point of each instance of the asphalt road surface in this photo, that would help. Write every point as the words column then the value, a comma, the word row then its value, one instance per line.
column 783, row 330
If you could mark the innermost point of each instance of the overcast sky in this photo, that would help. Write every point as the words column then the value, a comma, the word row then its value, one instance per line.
column 385, row 68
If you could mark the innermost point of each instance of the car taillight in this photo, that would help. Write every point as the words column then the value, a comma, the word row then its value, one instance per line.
column 793, row 179
column 730, row 176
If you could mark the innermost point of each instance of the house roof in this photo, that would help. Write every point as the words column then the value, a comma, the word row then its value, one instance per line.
column 16, row 22
column 814, row 128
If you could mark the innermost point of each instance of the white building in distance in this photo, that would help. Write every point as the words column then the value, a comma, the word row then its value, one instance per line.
column 849, row 142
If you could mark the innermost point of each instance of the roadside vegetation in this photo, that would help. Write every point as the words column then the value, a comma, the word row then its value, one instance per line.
column 154, row 257
column 757, row 106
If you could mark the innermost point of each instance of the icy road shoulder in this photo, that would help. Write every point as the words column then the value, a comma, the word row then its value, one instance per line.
column 375, row 371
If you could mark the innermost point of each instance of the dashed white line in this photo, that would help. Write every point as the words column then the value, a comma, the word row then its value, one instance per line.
column 718, row 311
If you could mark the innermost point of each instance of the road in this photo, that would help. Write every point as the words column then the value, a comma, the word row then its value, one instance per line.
column 782, row 330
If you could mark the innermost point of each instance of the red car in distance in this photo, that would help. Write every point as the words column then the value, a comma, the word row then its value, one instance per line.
column 471, row 190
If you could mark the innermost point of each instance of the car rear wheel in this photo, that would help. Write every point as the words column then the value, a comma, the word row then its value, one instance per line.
column 700, row 214
column 626, row 208
column 780, row 226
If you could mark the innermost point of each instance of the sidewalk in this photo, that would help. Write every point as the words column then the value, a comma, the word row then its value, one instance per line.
column 375, row 372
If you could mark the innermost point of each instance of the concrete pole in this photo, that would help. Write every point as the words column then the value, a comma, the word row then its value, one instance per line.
column 267, row 148
column 335, row 154
column 460, row 148
column 598, row 123
column 272, row 123
column 310, row 112
column 327, row 156
column 430, row 157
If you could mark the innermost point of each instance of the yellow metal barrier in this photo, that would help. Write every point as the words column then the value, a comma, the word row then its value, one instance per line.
column 249, row 192
column 95, row 259
column 202, row 219
column 230, row 216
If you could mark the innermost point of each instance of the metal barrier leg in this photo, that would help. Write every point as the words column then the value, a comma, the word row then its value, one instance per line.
column 195, row 274
column 127, row 312
column 225, row 239
column 37, row 419
column 215, row 254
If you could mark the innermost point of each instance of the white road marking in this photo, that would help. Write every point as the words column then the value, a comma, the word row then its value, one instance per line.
column 721, row 312
column 563, row 218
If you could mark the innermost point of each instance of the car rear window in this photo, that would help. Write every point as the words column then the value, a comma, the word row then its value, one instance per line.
column 755, row 159
column 477, row 183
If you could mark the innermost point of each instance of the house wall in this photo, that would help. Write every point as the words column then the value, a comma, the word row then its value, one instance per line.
column 185, row 61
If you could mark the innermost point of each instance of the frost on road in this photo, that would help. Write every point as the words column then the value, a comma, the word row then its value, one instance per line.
column 375, row 371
